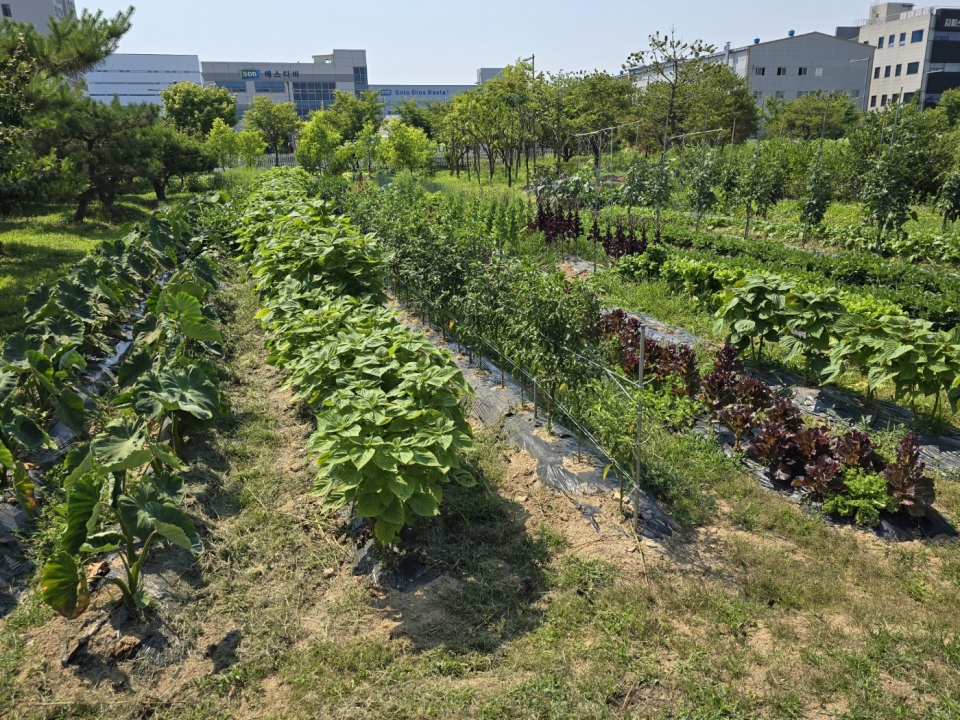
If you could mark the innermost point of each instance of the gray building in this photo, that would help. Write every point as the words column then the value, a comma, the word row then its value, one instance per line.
column 37, row 12
column 917, row 51
column 803, row 64
column 795, row 66
column 140, row 78
column 310, row 85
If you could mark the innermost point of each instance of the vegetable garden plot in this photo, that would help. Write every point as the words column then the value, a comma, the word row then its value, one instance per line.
column 741, row 413
column 97, row 395
column 497, row 405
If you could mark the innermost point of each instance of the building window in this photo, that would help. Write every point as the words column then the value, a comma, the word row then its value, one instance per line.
column 891, row 41
column 7, row 12
column 880, row 44
column 855, row 93
column 883, row 101
column 873, row 101
column 913, row 68
column 781, row 71
column 941, row 36
column 759, row 71
column 818, row 72
column 876, row 73
column 234, row 87
column 886, row 71
column 779, row 94
column 269, row 87
column 907, row 97
column 917, row 36
column 758, row 95
column 803, row 71
column 903, row 38
column 899, row 71
column 310, row 96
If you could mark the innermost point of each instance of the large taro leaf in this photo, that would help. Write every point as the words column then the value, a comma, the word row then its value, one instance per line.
column 24, row 430
column 9, row 381
column 74, row 299
column 70, row 410
column 170, row 485
column 186, row 390
column 122, row 445
column 16, row 346
column 63, row 329
column 6, row 458
column 40, row 304
column 82, row 511
column 174, row 525
column 186, row 311
column 64, row 585
column 148, row 330
column 139, row 362
column 41, row 369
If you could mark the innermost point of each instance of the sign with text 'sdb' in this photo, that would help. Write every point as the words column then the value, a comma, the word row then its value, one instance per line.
column 250, row 74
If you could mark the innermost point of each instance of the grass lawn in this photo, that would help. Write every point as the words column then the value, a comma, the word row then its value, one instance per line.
column 40, row 243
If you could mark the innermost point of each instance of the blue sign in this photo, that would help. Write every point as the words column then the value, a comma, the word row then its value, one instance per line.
column 386, row 93
column 250, row 74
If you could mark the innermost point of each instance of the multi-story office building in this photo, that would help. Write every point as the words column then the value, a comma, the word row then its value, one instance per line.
column 37, row 12
column 309, row 85
column 917, row 51
column 140, row 78
column 795, row 66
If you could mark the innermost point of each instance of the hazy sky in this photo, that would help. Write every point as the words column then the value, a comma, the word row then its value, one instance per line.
column 445, row 41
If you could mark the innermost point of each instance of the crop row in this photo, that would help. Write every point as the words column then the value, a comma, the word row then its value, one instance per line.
column 550, row 329
column 142, row 299
column 390, row 426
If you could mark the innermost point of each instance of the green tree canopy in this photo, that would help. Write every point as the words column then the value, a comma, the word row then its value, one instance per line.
column 416, row 115
column 274, row 122
column 803, row 118
column 405, row 147
column 950, row 105
column 193, row 109
column 223, row 143
column 72, row 45
column 318, row 141
column 352, row 113
column 174, row 154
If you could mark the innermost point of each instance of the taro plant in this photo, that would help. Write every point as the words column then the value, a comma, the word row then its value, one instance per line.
column 121, row 496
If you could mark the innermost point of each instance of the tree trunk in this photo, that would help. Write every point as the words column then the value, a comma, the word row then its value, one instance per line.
column 160, row 188
column 83, row 201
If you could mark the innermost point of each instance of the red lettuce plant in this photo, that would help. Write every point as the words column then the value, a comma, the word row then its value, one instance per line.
column 913, row 491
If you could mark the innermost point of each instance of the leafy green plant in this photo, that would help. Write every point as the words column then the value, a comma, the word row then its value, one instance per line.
column 866, row 495
column 109, row 488
column 754, row 312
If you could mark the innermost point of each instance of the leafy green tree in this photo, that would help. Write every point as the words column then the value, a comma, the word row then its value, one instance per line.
column 948, row 201
column 950, row 105
column 193, row 109
column 318, row 141
column 105, row 147
column 366, row 145
column 416, row 115
column 702, row 180
column 669, row 67
column 888, row 192
column 224, row 143
column 73, row 45
column 174, row 155
column 817, row 198
column 274, row 121
column 352, row 114
column 250, row 147
column 803, row 118
column 405, row 147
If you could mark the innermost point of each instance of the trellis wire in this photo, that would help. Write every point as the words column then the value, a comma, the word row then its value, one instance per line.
column 519, row 372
